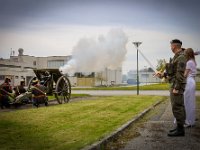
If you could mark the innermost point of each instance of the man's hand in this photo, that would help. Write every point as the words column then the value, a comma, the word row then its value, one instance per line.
column 175, row 91
column 158, row 74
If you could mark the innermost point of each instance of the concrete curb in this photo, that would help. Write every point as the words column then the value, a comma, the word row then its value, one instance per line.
column 100, row 144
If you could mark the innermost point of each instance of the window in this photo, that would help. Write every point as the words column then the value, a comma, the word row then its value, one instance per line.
column 34, row 63
column 2, row 77
column 55, row 63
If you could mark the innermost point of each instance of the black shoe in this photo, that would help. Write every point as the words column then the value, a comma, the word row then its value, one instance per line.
column 172, row 130
column 7, row 106
column 177, row 132
column 46, row 103
column 36, row 105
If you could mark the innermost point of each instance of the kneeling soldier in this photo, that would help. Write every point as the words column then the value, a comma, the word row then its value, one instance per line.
column 38, row 94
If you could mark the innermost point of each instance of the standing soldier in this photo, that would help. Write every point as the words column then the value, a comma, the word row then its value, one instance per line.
column 175, row 74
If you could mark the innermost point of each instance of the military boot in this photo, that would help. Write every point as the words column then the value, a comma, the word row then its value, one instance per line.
column 172, row 130
column 178, row 132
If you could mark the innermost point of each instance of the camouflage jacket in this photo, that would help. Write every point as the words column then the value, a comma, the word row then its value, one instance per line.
column 5, row 89
column 38, row 90
column 175, row 71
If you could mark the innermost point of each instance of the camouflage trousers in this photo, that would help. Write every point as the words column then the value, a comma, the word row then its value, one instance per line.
column 178, row 108
column 39, row 99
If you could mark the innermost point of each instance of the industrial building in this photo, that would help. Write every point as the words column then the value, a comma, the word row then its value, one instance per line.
column 145, row 76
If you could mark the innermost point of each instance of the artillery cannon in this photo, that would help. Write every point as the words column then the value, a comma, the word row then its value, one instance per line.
column 56, row 84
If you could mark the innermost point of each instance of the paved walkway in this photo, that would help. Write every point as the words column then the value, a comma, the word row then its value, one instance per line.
column 124, row 92
column 153, row 135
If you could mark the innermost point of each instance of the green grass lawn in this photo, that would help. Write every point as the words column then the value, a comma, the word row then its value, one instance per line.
column 72, row 96
column 160, row 86
column 198, row 86
column 69, row 126
column 198, row 100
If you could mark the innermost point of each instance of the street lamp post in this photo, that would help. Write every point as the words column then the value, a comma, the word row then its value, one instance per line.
column 145, row 67
column 137, row 44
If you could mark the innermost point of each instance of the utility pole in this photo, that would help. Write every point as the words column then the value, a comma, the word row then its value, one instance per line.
column 145, row 69
column 137, row 44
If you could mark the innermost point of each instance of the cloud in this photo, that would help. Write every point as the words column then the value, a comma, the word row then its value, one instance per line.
column 155, row 45
column 55, row 39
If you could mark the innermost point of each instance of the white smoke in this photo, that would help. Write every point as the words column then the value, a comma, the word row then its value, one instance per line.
column 94, row 55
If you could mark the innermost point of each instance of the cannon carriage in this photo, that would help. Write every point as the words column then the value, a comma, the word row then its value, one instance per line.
column 56, row 84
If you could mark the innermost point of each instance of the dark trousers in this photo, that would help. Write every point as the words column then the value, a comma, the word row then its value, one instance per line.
column 4, row 101
column 39, row 99
column 178, row 108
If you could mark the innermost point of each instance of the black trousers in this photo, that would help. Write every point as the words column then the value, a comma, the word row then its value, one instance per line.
column 4, row 101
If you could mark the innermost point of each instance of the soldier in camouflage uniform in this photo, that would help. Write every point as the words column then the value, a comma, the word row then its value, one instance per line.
column 38, row 92
column 175, row 74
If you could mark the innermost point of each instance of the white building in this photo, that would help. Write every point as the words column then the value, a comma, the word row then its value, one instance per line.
column 145, row 76
column 20, row 67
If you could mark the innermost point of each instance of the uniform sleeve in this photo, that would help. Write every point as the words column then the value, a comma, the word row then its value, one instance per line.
column 179, row 77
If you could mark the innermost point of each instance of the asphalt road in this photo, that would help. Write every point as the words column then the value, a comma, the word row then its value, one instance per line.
column 153, row 136
column 151, row 133
column 123, row 92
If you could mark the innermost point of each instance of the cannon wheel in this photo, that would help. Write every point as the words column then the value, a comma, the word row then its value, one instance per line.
column 63, row 90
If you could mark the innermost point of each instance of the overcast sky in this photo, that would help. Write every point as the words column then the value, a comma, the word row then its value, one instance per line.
column 53, row 27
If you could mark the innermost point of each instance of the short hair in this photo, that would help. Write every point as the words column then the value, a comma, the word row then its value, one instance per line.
column 7, row 80
column 176, row 41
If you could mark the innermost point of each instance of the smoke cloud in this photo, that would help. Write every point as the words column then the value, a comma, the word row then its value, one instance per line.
column 94, row 55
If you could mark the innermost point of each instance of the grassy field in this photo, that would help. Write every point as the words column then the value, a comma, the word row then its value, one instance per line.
column 69, row 126
column 161, row 86
column 198, row 100
column 72, row 96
